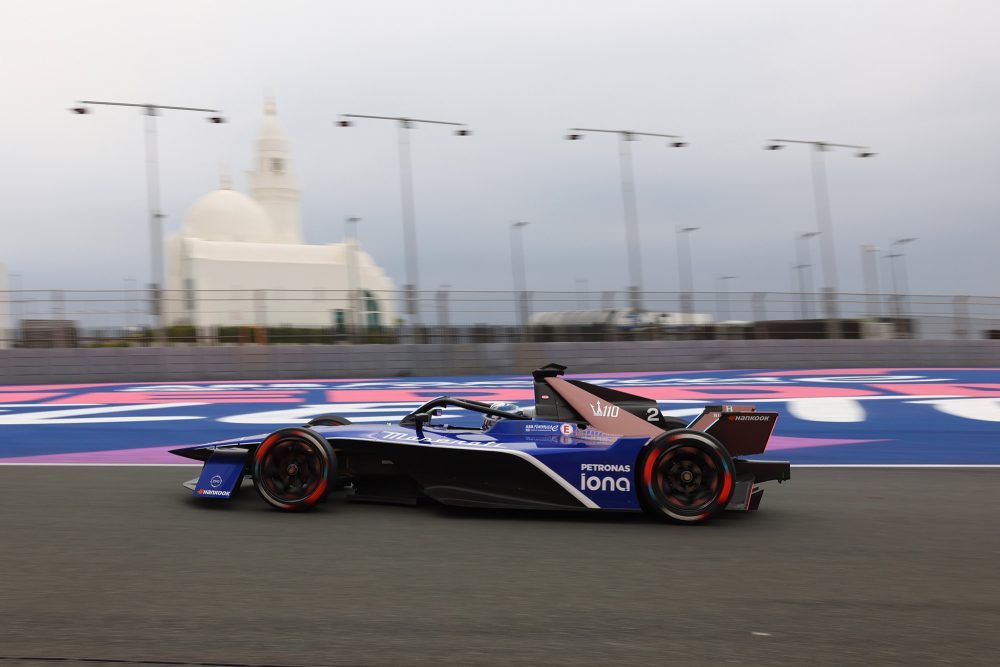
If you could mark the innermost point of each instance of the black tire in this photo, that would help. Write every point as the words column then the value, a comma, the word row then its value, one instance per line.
column 685, row 476
column 294, row 469
column 328, row 420
column 672, row 423
column 332, row 420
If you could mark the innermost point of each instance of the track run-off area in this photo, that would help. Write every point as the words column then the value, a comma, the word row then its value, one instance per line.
column 856, row 416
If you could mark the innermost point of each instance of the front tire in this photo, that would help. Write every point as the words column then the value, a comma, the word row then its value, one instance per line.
column 293, row 469
column 328, row 420
column 685, row 476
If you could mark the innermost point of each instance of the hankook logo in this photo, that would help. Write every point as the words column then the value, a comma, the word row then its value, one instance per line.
column 750, row 418
column 213, row 492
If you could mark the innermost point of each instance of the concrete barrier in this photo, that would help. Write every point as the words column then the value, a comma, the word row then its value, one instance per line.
column 265, row 362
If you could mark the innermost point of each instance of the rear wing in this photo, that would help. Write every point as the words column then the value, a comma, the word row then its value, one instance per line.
column 605, row 409
column 740, row 428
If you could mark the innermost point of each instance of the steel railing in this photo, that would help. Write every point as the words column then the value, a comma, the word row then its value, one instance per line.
column 116, row 318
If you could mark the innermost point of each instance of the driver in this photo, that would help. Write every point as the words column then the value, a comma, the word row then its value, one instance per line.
column 490, row 420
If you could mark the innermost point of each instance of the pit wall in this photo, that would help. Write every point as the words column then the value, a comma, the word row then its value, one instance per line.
column 271, row 362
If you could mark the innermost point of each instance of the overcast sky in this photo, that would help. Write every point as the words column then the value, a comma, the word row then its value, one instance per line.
column 916, row 81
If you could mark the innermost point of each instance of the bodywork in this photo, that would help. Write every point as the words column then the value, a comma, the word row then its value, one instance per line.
column 577, row 451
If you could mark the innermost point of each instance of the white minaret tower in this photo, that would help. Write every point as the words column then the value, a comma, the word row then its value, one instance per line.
column 272, row 184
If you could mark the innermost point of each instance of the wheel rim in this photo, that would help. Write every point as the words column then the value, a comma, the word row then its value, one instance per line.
column 291, row 470
column 687, row 479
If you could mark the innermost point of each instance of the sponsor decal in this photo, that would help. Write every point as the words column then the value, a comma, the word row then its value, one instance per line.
column 412, row 437
column 567, row 429
column 749, row 418
column 213, row 492
column 216, row 481
column 593, row 435
column 605, row 467
column 592, row 482
column 547, row 428
column 605, row 409
column 604, row 483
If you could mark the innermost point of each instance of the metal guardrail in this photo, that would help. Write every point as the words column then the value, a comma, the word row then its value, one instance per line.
column 121, row 318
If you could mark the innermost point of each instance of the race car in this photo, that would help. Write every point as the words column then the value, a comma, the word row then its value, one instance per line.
column 582, row 447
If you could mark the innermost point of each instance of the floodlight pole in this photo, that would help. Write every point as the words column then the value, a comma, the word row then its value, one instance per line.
column 629, row 201
column 896, row 308
column 353, row 280
column 406, row 194
column 722, row 296
column 804, row 268
column 581, row 289
column 900, row 243
column 869, row 267
column 151, row 111
column 517, row 271
column 444, row 321
column 684, row 270
column 155, row 212
column 824, row 223
column 901, row 288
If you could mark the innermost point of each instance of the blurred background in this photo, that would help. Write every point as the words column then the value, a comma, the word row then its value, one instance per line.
column 666, row 216
column 259, row 206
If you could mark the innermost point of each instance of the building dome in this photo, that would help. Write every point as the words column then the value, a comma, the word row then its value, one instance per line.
column 227, row 215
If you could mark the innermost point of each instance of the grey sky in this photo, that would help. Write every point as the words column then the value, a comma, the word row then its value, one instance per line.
column 917, row 81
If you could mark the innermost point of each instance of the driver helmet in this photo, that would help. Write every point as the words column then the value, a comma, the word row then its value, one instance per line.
column 506, row 406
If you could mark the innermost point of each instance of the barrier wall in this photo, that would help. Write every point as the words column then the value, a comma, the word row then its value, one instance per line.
column 263, row 362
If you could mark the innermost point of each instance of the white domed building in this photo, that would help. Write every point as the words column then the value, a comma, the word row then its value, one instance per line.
column 240, row 260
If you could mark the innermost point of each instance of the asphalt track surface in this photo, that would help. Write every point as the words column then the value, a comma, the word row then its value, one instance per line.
column 119, row 565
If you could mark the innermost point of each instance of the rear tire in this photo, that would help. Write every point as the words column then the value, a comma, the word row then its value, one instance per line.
column 294, row 469
column 671, row 423
column 685, row 476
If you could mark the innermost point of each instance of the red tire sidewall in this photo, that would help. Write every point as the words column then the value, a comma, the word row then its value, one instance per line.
column 662, row 444
column 319, row 446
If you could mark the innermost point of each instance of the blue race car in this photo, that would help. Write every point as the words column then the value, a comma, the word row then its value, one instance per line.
column 583, row 446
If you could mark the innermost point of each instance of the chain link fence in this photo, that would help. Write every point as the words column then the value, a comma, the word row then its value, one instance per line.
column 127, row 318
